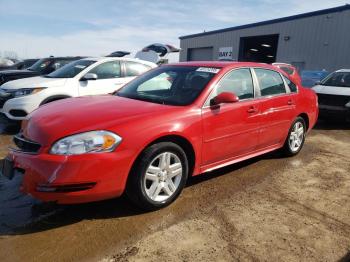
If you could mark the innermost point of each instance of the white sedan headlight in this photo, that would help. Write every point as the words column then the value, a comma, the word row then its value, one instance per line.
column 27, row 91
column 88, row 142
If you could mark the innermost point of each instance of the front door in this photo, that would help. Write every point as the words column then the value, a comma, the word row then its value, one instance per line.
column 231, row 130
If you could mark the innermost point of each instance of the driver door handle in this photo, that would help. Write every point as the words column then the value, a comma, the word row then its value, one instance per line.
column 252, row 110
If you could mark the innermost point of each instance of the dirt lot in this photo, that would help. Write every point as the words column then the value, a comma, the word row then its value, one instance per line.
column 268, row 208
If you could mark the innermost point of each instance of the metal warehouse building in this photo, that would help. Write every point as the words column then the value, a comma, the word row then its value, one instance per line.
column 311, row 41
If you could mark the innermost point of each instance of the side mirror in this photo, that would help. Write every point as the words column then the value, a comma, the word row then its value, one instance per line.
column 89, row 76
column 223, row 98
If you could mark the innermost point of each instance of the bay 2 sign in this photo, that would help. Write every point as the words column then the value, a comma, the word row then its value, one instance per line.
column 225, row 53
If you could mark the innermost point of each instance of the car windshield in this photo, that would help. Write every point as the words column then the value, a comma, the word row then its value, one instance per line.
column 341, row 79
column 169, row 85
column 71, row 70
column 40, row 65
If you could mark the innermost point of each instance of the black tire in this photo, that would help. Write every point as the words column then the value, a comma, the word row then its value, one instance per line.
column 287, row 149
column 135, row 189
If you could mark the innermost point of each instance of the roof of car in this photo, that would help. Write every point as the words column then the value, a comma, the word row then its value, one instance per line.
column 222, row 64
column 344, row 70
column 103, row 58
column 64, row 57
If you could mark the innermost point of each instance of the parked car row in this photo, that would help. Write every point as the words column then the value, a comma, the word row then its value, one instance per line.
column 146, row 139
column 54, row 78
column 43, row 66
column 87, row 76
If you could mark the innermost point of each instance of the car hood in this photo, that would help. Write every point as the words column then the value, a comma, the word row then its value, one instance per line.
column 75, row 115
column 332, row 90
column 37, row 81
column 18, row 72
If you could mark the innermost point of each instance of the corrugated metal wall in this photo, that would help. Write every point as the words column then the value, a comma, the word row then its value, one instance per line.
column 320, row 42
column 200, row 54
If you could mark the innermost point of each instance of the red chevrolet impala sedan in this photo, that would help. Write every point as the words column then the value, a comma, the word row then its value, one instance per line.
column 175, row 121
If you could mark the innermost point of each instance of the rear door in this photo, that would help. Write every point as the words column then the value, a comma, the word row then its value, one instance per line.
column 277, row 108
column 231, row 130
column 108, row 79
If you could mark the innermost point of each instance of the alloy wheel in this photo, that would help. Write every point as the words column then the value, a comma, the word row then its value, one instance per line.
column 163, row 176
column 296, row 137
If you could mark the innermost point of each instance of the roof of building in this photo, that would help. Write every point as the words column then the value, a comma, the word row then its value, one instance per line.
column 273, row 21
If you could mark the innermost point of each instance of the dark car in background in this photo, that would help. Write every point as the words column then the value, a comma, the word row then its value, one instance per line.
column 311, row 78
column 43, row 66
column 20, row 65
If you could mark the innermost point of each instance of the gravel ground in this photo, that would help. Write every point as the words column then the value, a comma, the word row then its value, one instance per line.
column 266, row 209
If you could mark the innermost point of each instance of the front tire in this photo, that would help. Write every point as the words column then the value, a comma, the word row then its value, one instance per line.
column 296, row 137
column 158, row 176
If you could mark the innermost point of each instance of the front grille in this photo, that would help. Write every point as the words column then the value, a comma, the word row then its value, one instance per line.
column 26, row 145
column 333, row 100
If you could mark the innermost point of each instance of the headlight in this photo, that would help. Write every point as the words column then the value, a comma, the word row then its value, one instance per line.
column 27, row 91
column 89, row 142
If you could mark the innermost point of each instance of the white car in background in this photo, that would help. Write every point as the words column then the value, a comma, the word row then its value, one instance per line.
column 334, row 96
column 88, row 76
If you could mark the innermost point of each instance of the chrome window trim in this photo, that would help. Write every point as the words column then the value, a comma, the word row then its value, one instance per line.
column 276, row 95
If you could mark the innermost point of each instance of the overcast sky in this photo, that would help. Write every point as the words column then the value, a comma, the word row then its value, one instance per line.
column 36, row 28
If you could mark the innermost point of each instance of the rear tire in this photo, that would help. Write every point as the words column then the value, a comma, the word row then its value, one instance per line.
column 158, row 176
column 296, row 137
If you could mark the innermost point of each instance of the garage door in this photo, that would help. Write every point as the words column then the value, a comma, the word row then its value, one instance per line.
column 200, row 54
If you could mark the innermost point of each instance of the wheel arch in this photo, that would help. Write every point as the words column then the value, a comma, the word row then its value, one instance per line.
column 53, row 98
column 181, row 141
column 306, row 119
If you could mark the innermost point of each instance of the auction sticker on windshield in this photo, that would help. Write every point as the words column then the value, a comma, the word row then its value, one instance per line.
column 208, row 70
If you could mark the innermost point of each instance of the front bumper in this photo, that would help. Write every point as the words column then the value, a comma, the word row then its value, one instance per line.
column 73, row 179
column 334, row 111
column 23, row 105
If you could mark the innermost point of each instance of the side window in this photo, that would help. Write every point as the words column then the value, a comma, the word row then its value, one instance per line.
column 135, row 69
column 270, row 82
column 239, row 82
column 107, row 70
column 292, row 86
